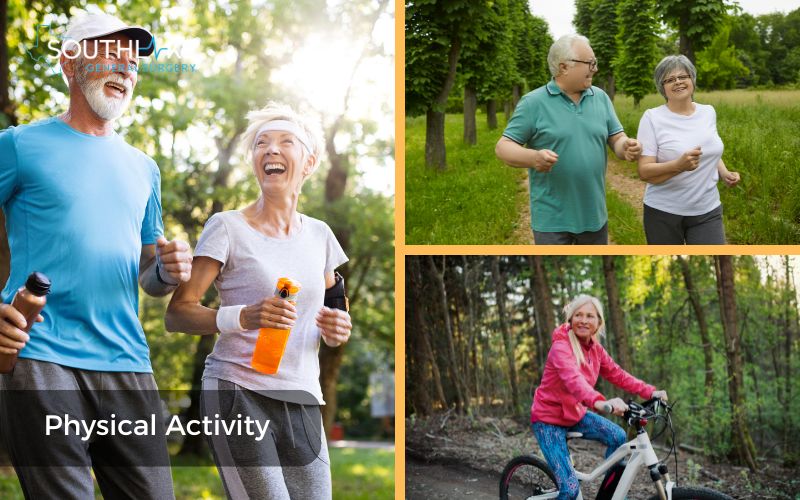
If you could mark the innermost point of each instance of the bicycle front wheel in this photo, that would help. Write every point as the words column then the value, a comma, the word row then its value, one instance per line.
column 528, row 477
column 695, row 493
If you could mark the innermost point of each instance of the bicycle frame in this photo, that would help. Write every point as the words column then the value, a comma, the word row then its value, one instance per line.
column 641, row 455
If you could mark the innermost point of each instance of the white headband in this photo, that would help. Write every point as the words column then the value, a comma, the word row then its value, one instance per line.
column 285, row 126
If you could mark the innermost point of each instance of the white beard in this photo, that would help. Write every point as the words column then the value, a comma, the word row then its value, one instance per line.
column 107, row 108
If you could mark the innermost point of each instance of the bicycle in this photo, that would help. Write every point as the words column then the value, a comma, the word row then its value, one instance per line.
column 530, row 477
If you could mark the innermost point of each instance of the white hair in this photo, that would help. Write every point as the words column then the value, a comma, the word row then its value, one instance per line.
column 569, row 311
column 562, row 50
column 276, row 111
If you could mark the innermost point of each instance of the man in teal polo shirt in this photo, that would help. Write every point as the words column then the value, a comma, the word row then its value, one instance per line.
column 559, row 132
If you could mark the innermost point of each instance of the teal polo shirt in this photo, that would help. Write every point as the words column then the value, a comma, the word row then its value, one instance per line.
column 572, row 196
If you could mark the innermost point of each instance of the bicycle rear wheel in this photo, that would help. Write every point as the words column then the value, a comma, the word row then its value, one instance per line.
column 527, row 477
column 695, row 493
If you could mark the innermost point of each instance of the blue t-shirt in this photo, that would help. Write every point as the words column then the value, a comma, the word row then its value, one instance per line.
column 79, row 208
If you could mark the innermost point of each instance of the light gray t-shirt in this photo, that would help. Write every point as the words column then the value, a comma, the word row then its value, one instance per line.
column 252, row 263
column 667, row 135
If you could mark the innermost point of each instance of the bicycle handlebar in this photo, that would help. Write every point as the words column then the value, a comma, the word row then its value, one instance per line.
column 638, row 412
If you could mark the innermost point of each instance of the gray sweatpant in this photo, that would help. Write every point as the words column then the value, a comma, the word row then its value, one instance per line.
column 291, row 462
column 664, row 228
column 60, row 466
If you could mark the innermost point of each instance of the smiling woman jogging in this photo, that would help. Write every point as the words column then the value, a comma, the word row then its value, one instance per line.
column 682, row 162
column 561, row 401
column 244, row 253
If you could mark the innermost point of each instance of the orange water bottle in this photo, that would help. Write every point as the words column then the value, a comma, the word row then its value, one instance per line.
column 272, row 341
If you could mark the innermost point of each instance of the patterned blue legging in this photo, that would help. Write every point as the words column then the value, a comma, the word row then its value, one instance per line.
column 553, row 443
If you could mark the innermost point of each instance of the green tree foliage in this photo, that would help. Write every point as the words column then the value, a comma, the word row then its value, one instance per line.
column 780, row 35
column 436, row 33
column 667, row 346
column 718, row 66
column 583, row 16
column 744, row 35
column 637, row 39
column 603, row 38
column 696, row 21
column 533, row 47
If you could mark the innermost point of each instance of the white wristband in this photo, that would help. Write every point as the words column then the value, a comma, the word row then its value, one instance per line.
column 228, row 319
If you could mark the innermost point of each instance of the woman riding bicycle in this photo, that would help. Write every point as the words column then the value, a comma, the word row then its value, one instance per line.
column 560, row 403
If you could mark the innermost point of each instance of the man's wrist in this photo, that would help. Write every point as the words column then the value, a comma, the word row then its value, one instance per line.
column 162, row 280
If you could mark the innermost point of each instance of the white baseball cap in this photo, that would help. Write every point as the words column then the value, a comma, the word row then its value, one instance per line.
column 90, row 26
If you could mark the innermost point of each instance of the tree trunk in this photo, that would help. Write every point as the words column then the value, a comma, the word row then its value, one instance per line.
column 491, row 114
column 507, row 110
column 611, row 88
column 470, row 107
column 790, row 454
column 543, row 305
column 330, row 358
column 686, row 46
column 742, row 442
column 8, row 115
column 441, row 291
column 500, row 296
column 422, row 370
column 516, row 94
column 471, row 374
column 617, row 323
column 708, row 351
column 435, row 154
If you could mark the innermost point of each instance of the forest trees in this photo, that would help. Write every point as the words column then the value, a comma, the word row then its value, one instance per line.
column 492, row 50
column 717, row 333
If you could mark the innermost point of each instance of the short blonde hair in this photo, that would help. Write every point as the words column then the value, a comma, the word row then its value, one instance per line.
column 277, row 111
column 569, row 311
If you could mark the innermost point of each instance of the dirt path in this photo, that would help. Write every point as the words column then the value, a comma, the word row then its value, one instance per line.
column 425, row 481
column 619, row 178
column 450, row 456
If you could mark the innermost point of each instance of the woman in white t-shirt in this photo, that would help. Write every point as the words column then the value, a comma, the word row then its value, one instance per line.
column 244, row 253
column 681, row 161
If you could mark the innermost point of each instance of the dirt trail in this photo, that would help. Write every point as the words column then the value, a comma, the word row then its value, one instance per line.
column 451, row 456
column 629, row 188
column 618, row 179
column 454, row 481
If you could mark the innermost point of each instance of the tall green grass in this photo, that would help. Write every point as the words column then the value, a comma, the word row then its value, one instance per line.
column 476, row 200
column 358, row 473
column 760, row 133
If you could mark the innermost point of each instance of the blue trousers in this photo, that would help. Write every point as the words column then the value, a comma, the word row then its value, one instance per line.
column 553, row 443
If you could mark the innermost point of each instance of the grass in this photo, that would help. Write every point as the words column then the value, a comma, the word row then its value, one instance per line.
column 358, row 473
column 476, row 200
column 759, row 130
column 625, row 225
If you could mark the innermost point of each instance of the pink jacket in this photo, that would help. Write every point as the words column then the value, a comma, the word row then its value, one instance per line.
column 567, row 391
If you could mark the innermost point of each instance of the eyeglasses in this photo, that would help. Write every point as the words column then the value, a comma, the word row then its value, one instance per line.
column 673, row 79
column 592, row 64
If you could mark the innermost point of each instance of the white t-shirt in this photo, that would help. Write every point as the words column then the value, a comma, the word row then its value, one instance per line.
column 667, row 135
column 251, row 265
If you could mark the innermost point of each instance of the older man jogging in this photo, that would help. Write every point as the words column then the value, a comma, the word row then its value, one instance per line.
column 83, row 207
column 559, row 132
